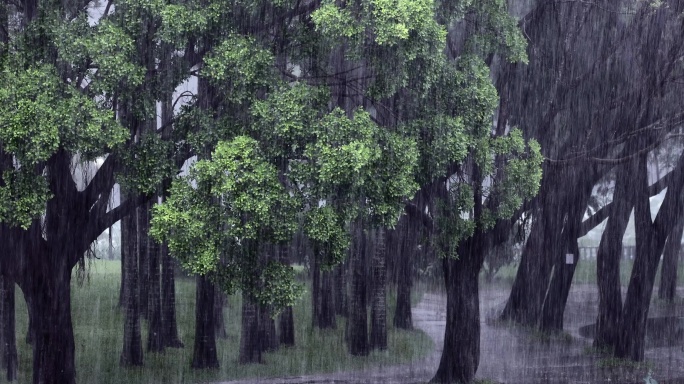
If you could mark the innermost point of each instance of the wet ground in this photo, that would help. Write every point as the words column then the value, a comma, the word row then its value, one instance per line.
column 519, row 356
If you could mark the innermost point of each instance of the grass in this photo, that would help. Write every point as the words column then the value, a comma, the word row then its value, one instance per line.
column 98, row 328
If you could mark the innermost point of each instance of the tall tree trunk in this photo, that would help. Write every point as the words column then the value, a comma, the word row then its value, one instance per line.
column 143, row 226
column 168, row 291
column 9, row 335
column 53, row 347
column 204, row 353
column 168, row 282
column 566, row 257
column 532, row 279
column 341, row 297
column 268, row 337
column 123, row 244
column 132, row 354
column 327, row 313
column 650, row 241
column 155, row 340
column 31, row 325
column 378, row 334
column 357, row 324
column 48, row 283
column 461, row 352
column 286, row 324
column 250, row 351
column 402, row 313
column 219, row 321
column 608, row 264
column 316, row 298
column 668, row 271
column 286, row 318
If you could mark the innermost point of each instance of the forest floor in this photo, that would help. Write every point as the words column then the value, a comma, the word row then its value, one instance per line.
column 517, row 355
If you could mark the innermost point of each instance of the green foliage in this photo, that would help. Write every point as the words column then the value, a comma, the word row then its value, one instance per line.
column 218, row 215
column 521, row 173
column 283, row 120
column 22, row 197
column 326, row 231
column 149, row 163
column 239, row 68
column 333, row 21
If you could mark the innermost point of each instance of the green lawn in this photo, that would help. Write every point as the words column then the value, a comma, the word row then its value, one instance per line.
column 98, row 327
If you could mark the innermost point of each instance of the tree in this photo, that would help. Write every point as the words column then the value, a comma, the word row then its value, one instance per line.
column 132, row 353
column 599, row 98
column 378, row 335
column 668, row 270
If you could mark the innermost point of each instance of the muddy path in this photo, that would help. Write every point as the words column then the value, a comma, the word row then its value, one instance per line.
column 515, row 355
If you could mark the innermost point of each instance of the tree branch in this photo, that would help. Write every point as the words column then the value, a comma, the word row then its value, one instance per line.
column 607, row 210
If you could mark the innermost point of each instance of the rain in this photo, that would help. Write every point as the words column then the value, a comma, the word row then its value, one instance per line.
column 328, row 191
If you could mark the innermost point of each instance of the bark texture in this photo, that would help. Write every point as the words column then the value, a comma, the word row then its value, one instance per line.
column 204, row 354
column 378, row 334
column 132, row 353
column 668, row 271
column 8, row 336
column 250, row 350
column 168, row 292
column 155, row 338
column 608, row 264
column 402, row 313
column 357, row 324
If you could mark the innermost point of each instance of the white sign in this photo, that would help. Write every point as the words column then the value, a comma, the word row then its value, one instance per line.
column 569, row 258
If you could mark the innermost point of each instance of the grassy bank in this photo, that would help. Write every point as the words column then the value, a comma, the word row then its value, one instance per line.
column 98, row 328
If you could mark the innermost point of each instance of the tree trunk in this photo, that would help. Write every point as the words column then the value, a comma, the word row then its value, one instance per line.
column 525, row 301
column 250, row 351
column 124, row 243
column 143, row 226
column 53, row 345
column 532, row 277
column 286, row 320
column 632, row 334
column 204, row 353
column 132, row 354
column 357, row 324
column 327, row 313
column 668, row 271
column 341, row 297
column 402, row 314
column 31, row 326
column 378, row 334
column 566, row 257
column 168, row 291
column 219, row 321
column 268, row 336
column 461, row 352
column 9, row 336
column 316, row 299
column 608, row 265
column 155, row 340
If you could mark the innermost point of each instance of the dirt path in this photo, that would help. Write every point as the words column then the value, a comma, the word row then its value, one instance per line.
column 518, row 356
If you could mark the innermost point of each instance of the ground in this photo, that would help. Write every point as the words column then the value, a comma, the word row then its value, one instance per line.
column 520, row 356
